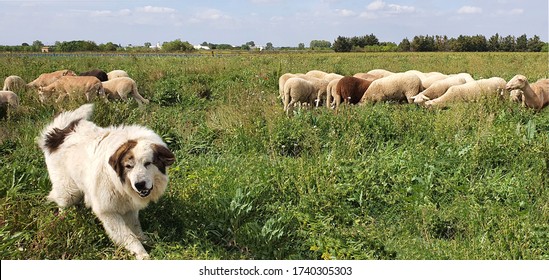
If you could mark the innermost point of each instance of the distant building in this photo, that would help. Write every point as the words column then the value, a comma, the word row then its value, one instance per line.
column 200, row 47
column 45, row 49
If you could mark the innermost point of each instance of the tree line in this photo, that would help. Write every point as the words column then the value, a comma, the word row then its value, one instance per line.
column 366, row 43
column 427, row 43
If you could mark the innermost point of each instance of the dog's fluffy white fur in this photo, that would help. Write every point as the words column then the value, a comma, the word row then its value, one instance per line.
column 115, row 171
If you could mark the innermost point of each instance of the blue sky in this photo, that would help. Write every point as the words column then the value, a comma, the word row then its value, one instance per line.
column 281, row 22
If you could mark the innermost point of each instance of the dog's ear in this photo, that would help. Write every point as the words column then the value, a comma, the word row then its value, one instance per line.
column 116, row 160
column 162, row 157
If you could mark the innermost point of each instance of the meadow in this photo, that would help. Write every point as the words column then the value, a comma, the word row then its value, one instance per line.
column 383, row 181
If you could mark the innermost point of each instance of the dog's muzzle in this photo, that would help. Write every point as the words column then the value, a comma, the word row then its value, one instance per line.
column 142, row 190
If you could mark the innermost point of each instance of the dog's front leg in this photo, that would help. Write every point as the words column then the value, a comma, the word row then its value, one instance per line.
column 121, row 234
column 132, row 220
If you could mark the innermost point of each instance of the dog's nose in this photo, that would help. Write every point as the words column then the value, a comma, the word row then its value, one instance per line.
column 140, row 185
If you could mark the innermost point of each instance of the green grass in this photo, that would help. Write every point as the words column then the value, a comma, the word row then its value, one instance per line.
column 382, row 181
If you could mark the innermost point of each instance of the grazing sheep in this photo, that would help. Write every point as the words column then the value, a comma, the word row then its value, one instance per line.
column 468, row 78
column 282, row 80
column 432, row 78
column 468, row 92
column 298, row 90
column 316, row 74
column 516, row 95
column 9, row 98
column 534, row 95
column 332, row 76
column 437, row 89
column 48, row 78
column 119, row 88
column 71, row 85
column 14, row 83
column 382, row 73
column 366, row 76
column 351, row 90
column 397, row 87
column 321, row 87
column 331, row 93
column 117, row 74
column 100, row 74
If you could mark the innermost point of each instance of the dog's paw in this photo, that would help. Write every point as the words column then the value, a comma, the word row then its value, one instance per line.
column 142, row 256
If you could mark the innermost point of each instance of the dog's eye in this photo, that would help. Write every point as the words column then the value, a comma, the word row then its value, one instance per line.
column 147, row 163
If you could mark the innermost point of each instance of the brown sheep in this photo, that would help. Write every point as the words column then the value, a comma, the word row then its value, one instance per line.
column 48, row 78
column 350, row 90
column 71, row 85
column 534, row 95
column 100, row 74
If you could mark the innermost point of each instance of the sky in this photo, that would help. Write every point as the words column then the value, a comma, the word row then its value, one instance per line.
column 280, row 22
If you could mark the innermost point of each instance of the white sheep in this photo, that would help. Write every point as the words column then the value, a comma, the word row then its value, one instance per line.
column 282, row 80
column 331, row 93
column 119, row 88
column 534, row 95
column 397, row 87
column 316, row 74
column 437, row 89
column 14, row 83
column 9, row 98
column 468, row 78
column 321, row 87
column 516, row 95
column 381, row 73
column 469, row 92
column 297, row 91
column 117, row 74
column 332, row 76
column 432, row 78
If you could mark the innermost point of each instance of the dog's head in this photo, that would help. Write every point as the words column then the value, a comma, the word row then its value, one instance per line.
column 141, row 163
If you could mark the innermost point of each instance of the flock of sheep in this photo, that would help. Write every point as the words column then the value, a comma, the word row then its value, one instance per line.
column 316, row 87
column 432, row 89
column 113, row 85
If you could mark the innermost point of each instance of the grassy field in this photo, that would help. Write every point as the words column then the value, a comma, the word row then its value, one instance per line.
column 384, row 181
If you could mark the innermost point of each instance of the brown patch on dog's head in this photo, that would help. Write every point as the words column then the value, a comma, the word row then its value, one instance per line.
column 121, row 157
column 162, row 157
column 57, row 136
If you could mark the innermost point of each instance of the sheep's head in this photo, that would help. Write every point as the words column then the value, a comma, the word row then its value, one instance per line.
column 43, row 93
column 517, row 82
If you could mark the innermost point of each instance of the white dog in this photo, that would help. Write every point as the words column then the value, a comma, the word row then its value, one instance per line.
column 116, row 171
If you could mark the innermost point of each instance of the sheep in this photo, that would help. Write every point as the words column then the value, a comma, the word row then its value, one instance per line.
column 282, row 80
column 14, row 83
column 69, row 85
column 298, row 90
column 516, row 95
column 117, row 74
column 316, row 74
column 9, row 98
column 397, row 87
column 321, row 87
column 351, row 90
column 119, row 88
column 468, row 92
column 468, row 78
column 382, row 73
column 432, row 78
column 100, row 74
column 534, row 95
column 437, row 89
column 332, row 76
column 331, row 93
column 366, row 76
column 46, row 79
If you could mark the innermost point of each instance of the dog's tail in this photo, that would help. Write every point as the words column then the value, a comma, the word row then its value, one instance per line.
column 54, row 134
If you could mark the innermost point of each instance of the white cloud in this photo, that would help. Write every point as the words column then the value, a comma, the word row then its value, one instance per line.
column 469, row 10
column 156, row 10
column 376, row 5
column 398, row 9
column 345, row 12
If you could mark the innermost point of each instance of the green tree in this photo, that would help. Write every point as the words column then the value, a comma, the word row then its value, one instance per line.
column 404, row 45
column 535, row 44
column 342, row 44
column 177, row 45
column 521, row 44
column 320, row 44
